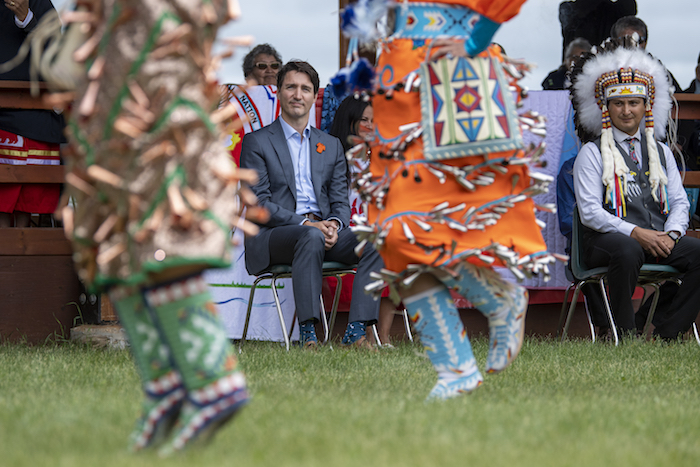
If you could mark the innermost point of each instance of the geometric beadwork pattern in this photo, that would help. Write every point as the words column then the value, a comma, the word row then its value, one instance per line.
column 428, row 20
column 466, row 108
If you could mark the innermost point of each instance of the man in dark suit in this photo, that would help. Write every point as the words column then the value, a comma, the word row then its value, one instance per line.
column 694, row 87
column 303, row 184
column 635, row 210
column 591, row 19
column 626, row 26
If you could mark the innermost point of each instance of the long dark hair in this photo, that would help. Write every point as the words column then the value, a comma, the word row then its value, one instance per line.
column 347, row 118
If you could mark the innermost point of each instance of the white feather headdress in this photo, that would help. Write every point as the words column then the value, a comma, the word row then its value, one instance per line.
column 602, row 76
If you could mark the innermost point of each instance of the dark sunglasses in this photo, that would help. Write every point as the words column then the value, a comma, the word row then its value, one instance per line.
column 263, row 65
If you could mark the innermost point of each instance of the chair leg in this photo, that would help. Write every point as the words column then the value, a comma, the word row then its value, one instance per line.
column 324, row 322
column 652, row 309
column 248, row 311
column 292, row 325
column 376, row 335
column 572, row 309
column 563, row 309
column 695, row 332
column 334, row 308
column 279, row 312
column 590, row 321
column 611, row 320
column 407, row 324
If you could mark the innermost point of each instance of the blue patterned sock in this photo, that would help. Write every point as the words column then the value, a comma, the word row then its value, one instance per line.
column 307, row 332
column 354, row 331
column 445, row 340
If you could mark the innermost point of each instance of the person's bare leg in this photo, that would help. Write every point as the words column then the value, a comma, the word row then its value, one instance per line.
column 386, row 319
column 423, row 283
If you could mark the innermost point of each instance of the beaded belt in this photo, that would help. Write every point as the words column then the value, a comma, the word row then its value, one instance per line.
column 431, row 20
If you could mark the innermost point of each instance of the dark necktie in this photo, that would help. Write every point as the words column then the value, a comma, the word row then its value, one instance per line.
column 633, row 151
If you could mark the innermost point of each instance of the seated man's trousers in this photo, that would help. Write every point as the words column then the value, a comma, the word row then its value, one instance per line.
column 303, row 247
column 624, row 257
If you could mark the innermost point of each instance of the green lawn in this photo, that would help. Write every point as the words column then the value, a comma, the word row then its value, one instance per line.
column 558, row 405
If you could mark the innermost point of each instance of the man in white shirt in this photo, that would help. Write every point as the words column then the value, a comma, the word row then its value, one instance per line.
column 628, row 189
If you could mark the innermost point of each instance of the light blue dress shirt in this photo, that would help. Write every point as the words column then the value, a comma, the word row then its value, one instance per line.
column 301, row 160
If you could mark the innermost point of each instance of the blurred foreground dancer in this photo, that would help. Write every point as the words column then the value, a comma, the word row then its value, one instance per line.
column 355, row 119
column 155, row 198
column 448, row 191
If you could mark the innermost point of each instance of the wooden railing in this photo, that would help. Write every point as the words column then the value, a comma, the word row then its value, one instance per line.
column 692, row 179
column 32, row 174
column 33, row 241
column 17, row 95
column 688, row 106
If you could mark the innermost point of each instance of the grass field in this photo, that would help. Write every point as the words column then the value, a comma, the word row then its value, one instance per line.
column 576, row 404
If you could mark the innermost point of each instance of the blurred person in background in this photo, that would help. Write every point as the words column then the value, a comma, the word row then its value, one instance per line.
column 354, row 123
column 261, row 65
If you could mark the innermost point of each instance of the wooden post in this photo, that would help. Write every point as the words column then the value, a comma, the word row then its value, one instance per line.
column 368, row 53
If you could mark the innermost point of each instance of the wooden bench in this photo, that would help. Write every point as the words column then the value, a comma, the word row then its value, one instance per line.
column 40, row 293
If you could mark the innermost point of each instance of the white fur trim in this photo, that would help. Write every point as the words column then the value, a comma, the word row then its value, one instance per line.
column 656, row 174
column 590, row 115
column 606, row 156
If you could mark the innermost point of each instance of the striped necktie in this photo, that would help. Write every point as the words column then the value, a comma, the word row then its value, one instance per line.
column 633, row 151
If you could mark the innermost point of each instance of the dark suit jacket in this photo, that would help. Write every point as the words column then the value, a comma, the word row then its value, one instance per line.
column 591, row 19
column 266, row 152
column 555, row 80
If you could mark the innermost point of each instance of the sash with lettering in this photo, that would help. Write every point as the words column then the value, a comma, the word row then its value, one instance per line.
column 256, row 107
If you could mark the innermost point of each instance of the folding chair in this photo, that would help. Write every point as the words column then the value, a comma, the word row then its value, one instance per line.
column 281, row 271
column 650, row 274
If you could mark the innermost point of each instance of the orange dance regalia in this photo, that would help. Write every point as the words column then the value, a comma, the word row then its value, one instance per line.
column 468, row 198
